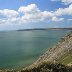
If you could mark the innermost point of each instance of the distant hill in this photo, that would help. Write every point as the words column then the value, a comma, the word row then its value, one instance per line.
column 44, row 29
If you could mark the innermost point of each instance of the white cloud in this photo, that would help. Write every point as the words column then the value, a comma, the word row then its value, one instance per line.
column 32, row 13
column 30, row 9
column 67, row 1
column 8, row 13
column 64, row 1
column 8, row 16
column 64, row 11
column 57, row 19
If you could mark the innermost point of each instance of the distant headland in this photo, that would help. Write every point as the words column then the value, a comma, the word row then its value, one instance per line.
column 44, row 29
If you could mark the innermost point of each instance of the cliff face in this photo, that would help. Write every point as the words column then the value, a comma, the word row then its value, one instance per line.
column 61, row 53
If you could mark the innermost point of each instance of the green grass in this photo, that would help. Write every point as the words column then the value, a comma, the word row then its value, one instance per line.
column 66, row 58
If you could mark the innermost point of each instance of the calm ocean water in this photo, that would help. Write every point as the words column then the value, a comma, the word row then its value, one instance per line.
column 21, row 48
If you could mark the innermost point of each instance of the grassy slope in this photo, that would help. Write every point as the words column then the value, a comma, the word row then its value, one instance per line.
column 66, row 58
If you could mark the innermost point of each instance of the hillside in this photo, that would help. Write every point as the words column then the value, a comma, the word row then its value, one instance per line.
column 59, row 54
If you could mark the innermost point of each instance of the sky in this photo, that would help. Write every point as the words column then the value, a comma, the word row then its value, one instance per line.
column 26, row 14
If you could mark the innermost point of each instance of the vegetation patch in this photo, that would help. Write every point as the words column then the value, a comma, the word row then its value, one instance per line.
column 66, row 58
column 49, row 67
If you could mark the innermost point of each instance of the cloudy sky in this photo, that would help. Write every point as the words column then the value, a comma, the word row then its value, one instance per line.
column 23, row 14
